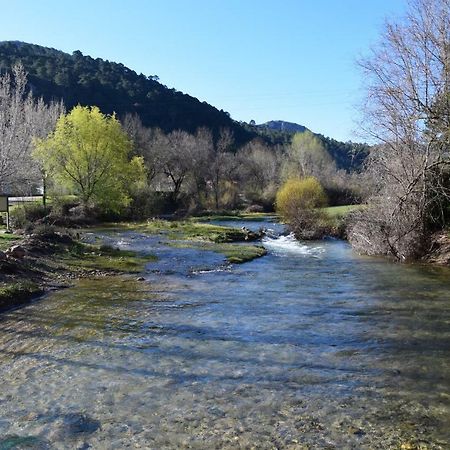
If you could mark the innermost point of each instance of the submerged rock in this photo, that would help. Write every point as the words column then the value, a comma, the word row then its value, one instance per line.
column 80, row 423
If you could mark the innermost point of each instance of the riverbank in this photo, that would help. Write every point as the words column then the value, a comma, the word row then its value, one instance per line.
column 439, row 252
column 35, row 264
column 238, row 245
column 38, row 263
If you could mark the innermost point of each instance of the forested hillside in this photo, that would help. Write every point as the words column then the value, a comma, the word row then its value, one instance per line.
column 79, row 79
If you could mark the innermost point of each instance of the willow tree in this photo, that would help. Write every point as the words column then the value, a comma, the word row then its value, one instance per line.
column 407, row 111
column 299, row 202
column 88, row 154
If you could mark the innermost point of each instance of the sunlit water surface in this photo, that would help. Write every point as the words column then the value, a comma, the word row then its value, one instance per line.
column 308, row 347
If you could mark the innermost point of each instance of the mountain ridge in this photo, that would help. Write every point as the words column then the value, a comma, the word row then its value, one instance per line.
column 284, row 126
column 113, row 87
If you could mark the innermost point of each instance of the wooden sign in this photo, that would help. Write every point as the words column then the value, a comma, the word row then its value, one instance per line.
column 4, row 203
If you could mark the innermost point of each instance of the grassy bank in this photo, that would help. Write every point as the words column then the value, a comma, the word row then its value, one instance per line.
column 50, row 264
column 234, row 253
column 6, row 240
column 103, row 258
column 341, row 211
column 15, row 293
column 336, row 219
column 180, row 230
column 53, row 261
column 192, row 234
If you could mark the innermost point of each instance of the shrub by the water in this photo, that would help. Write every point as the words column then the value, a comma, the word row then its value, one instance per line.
column 25, row 214
column 298, row 202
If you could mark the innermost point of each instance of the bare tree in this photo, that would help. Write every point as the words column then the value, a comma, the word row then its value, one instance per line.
column 223, row 165
column 144, row 141
column 259, row 169
column 22, row 119
column 203, row 155
column 43, row 120
column 408, row 112
column 177, row 155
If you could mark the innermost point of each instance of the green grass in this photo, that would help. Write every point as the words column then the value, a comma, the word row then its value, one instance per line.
column 336, row 215
column 6, row 240
column 234, row 253
column 190, row 234
column 253, row 217
column 182, row 230
column 341, row 211
column 92, row 257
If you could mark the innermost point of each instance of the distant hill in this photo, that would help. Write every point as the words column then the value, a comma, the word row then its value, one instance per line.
column 347, row 155
column 281, row 125
column 79, row 79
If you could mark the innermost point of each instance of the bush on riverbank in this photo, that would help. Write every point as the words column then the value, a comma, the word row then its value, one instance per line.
column 60, row 213
column 298, row 202
column 50, row 258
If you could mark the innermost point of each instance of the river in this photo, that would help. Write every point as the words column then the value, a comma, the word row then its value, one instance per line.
column 310, row 346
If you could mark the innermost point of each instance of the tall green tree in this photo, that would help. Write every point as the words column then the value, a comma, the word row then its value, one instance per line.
column 88, row 154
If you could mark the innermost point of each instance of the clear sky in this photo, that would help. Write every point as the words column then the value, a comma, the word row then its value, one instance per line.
column 292, row 60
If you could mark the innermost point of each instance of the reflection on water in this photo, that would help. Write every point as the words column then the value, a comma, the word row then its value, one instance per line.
column 308, row 347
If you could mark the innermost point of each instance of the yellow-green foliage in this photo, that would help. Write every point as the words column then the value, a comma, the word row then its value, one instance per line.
column 88, row 154
column 299, row 194
column 306, row 156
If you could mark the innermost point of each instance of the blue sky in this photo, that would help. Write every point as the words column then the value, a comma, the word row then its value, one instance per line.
column 257, row 59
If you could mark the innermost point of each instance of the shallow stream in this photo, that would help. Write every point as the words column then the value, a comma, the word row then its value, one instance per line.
column 310, row 346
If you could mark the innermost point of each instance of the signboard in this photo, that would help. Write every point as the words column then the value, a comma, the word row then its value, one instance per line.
column 4, row 203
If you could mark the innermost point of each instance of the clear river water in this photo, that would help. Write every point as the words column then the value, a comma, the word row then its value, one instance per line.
column 308, row 347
